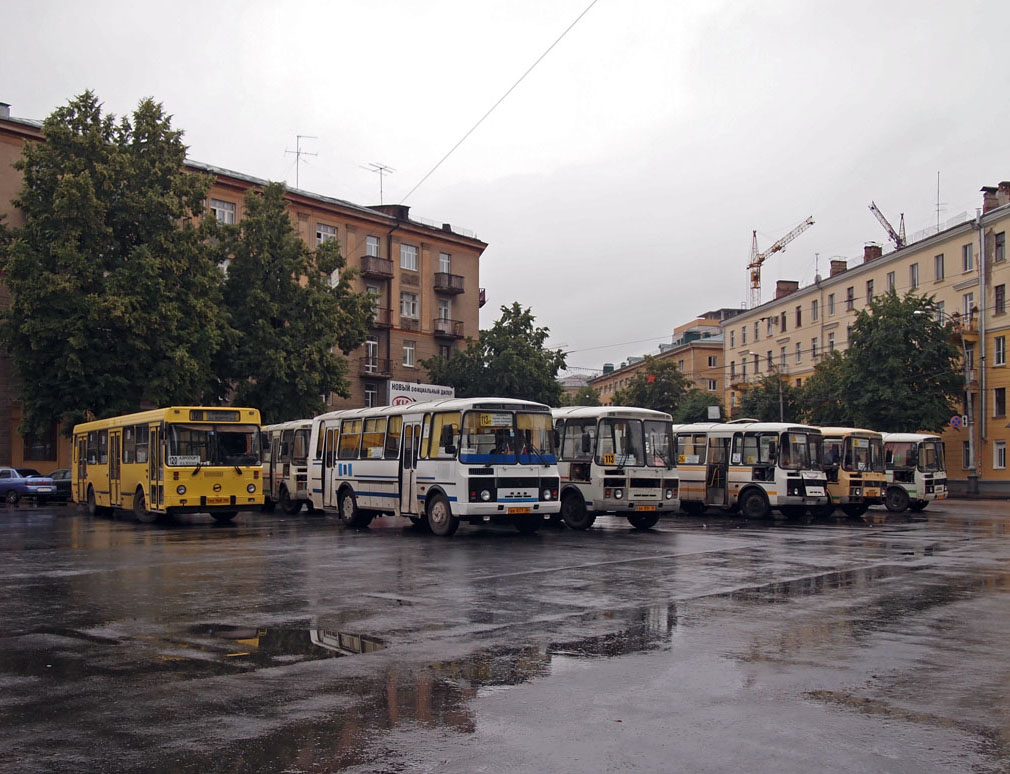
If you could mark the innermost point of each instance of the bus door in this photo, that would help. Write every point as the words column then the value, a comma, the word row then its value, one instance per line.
column 82, row 468
column 329, row 465
column 115, row 488
column 275, row 445
column 409, row 443
column 717, row 471
column 154, row 469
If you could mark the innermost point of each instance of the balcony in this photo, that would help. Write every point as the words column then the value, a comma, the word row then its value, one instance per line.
column 447, row 329
column 448, row 283
column 382, row 318
column 409, row 323
column 373, row 266
column 376, row 367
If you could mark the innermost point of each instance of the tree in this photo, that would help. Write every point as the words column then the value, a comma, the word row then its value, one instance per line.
column 509, row 361
column 658, row 385
column 770, row 399
column 287, row 317
column 114, row 294
column 821, row 399
column 693, row 407
column 902, row 368
column 585, row 396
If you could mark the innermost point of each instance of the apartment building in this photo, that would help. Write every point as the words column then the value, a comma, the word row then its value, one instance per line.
column 963, row 267
column 424, row 276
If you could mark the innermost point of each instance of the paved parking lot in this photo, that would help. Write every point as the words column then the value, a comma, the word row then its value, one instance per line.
column 708, row 644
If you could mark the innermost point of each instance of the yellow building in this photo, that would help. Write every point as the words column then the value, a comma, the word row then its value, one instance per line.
column 963, row 267
column 425, row 278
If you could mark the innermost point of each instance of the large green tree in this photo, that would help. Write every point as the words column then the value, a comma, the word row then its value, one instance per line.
column 658, row 385
column 821, row 397
column 509, row 360
column 694, row 406
column 584, row 396
column 772, row 399
column 114, row 294
column 902, row 368
column 287, row 314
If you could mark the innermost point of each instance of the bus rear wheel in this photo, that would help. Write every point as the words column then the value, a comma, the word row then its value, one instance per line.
column 754, row 505
column 289, row 506
column 350, row 515
column 918, row 505
column 896, row 499
column 223, row 517
column 643, row 520
column 573, row 511
column 441, row 522
column 692, row 507
column 140, row 512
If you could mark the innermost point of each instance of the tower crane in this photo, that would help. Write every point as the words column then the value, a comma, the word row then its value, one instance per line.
column 898, row 237
column 756, row 258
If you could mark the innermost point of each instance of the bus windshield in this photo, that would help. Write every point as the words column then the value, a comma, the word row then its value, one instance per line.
column 211, row 444
column 863, row 454
column 799, row 451
column 620, row 443
column 903, row 454
column 504, row 438
column 536, row 439
column 659, row 443
column 931, row 459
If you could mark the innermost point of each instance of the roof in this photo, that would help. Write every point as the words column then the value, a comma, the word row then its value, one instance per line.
column 623, row 412
column 909, row 437
column 448, row 404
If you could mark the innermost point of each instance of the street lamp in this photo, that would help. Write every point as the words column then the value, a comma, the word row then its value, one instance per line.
column 775, row 369
column 969, row 407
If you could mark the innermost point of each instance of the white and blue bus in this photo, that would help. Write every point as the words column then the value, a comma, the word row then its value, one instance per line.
column 437, row 463
column 286, row 465
column 616, row 460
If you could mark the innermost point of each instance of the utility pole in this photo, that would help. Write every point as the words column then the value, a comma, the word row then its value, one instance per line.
column 298, row 153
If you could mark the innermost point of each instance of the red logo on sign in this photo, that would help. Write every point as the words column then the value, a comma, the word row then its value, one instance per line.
column 402, row 400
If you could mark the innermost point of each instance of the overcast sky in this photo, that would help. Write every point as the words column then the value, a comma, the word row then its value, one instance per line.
column 619, row 184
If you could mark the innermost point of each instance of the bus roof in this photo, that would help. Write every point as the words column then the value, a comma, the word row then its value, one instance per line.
column 447, row 404
column 169, row 414
column 910, row 437
column 844, row 432
column 740, row 427
column 623, row 412
column 291, row 424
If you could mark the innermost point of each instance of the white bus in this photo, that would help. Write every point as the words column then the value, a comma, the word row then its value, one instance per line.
column 438, row 463
column 617, row 460
column 286, row 465
column 916, row 474
column 753, row 466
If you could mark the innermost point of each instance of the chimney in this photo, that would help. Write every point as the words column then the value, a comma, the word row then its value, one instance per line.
column 1003, row 193
column 871, row 251
column 785, row 287
column 398, row 211
column 989, row 199
column 838, row 266
column 5, row 110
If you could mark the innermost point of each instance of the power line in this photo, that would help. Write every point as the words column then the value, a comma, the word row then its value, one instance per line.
column 500, row 100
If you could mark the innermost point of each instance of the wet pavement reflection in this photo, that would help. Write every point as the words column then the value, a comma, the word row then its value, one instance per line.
column 290, row 644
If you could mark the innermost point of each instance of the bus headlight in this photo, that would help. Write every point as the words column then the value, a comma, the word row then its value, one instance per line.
column 547, row 494
column 251, row 488
column 669, row 494
column 618, row 494
column 181, row 489
column 485, row 495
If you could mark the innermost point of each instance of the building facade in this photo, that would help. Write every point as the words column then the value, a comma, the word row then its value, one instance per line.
column 425, row 279
column 963, row 267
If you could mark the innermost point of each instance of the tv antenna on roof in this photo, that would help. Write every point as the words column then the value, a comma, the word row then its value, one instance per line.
column 380, row 170
column 298, row 153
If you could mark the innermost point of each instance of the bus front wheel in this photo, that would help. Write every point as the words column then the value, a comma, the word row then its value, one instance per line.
column 223, row 517
column 573, row 511
column 918, row 505
column 643, row 520
column 140, row 512
column 349, row 513
column 896, row 499
column 754, row 505
column 289, row 506
column 440, row 518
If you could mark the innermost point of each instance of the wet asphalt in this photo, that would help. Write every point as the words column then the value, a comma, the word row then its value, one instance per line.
column 709, row 644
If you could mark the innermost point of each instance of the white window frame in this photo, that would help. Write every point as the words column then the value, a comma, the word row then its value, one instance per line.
column 831, row 341
column 445, row 309
column 712, row 386
column 999, row 351
column 371, row 395
column 408, row 257
column 224, row 211
column 408, row 305
column 813, row 348
column 372, row 246
column 967, row 303
column 732, row 339
column 968, row 257
column 999, row 455
column 325, row 232
column 889, row 281
column 799, row 352
column 444, row 263
column 713, row 361
column 913, row 276
column 409, row 354
column 938, row 269
column 813, row 310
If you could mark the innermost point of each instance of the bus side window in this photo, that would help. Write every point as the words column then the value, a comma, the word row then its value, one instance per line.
column 142, row 437
column 329, row 454
column 350, row 439
column 393, row 432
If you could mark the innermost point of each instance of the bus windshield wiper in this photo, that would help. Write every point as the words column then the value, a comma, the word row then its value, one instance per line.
column 540, row 455
column 196, row 470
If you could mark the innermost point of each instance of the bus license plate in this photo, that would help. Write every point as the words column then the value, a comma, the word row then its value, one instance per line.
column 645, row 507
column 873, row 493
column 218, row 501
column 519, row 510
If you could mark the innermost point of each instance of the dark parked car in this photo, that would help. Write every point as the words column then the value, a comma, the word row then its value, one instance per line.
column 61, row 478
column 16, row 483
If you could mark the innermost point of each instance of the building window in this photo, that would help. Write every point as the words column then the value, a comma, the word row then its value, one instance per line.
column 999, row 402
column 223, row 211
column 40, row 447
column 999, row 303
column 680, row 366
column 408, row 354
column 869, row 291
column 371, row 396
column 889, row 281
column 799, row 316
column 999, row 455
column 850, row 298
column 408, row 257
column 372, row 246
column 444, row 263
column 938, row 266
column 1000, row 247
column 913, row 276
column 757, row 331
column 325, row 233
column 782, row 358
column 445, row 350
column 757, row 364
column 712, row 385
column 732, row 369
column 444, row 309
column 967, row 305
column 940, row 314
column 743, row 334
column 831, row 342
column 713, row 361
column 999, row 356
column 969, row 356
column 967, row 257
column 408, row 305
column 768, row 327
column 799, row 352
column 965, row 455
column 371, row 355
column 813, row 310
column 813, row 348
column 783, row 324
column 770, row 361
column 831, row 304
column 732, row 339
column 743, row 369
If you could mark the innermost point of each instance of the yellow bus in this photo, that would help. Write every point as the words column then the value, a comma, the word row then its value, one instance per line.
column 182, row 459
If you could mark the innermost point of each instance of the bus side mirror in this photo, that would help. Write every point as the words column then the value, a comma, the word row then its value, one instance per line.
column 445, row 440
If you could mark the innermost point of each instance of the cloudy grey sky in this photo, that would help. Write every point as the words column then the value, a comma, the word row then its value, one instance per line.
column 619, row 184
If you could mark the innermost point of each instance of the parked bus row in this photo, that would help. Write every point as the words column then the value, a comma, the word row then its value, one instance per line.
column 481, row 460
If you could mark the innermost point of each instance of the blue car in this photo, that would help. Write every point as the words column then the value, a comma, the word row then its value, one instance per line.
column 16, row 483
